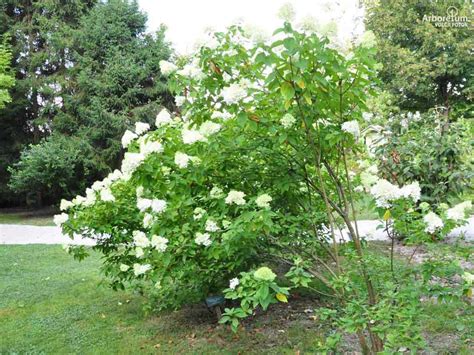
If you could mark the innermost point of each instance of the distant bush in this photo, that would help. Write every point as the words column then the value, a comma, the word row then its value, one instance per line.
column 58, row 166
column 429, row 149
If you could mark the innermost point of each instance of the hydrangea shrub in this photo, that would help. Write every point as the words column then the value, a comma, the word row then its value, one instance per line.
column 252, row 167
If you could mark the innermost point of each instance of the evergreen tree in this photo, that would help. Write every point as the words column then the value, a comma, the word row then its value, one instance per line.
column 6, row 77
column 113, row 80
column 40, row 35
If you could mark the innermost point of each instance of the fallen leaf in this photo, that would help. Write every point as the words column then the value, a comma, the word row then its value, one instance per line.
column 281, row 297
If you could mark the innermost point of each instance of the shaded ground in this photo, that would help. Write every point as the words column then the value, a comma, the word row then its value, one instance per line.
column 41, row 217
column 50, row 303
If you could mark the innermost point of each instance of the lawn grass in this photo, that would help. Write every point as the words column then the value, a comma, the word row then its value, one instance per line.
column 50, row 303
column 26, row 218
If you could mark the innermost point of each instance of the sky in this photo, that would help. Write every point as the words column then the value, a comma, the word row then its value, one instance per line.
column 187, row 20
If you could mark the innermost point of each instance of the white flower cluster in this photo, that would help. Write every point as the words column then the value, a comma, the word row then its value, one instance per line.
column 237, row 92
column 129, row 136
column 59, row 219
column 167, row 68
column 385, row 192
column 211, row 226
column 130, row 162
column 368, row 179
column 108, row 181
column 203, row 239
column 139, row 252
column 141, row 127
column 159, row 243
column 65, row 205
column 180, row 100
column 233, row 283
column 412, row 191
column 191, row 136
column 192, row 71
column 287, row 120
column 198, row 213
column 233, row 93
column 235, row 197
column 148, row 220
column 223, row 115
column 140, row 239
column 351, row 127
column 433, row 222
column 148, row 147
column 208, row 128
column 101, row 187
column 182, row 159
column 140, row 269
column 368, row 175
column 106, row 195
column 87, row 200
column 263, row 201
column 156, row 205
column 163, row 118
column 367, row 116
column 458, row 212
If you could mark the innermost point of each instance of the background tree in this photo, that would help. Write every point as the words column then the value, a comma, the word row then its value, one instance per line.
column 6, row 78
column 425, row 68
column 40, row 35
column 423, row 65
column 113, row 80
column 6, row 82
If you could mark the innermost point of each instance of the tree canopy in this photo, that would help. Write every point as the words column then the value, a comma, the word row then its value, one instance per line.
column 6, row 78
column 91, row 72
column 424, row 64
column 40, row 38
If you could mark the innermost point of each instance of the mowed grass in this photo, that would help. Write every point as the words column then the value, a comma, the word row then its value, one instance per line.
column 26, row 217
column 52, row 304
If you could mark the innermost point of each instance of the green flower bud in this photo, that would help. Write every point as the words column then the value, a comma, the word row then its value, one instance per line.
column 265, row 274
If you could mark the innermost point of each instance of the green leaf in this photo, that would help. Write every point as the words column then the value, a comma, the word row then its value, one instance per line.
column 287, row 91
column 282, row 138
column 263, row 292
column 290, row 43
column 300, row 82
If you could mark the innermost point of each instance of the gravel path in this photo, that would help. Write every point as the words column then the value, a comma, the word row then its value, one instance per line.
column 368, row 229
column 23, row 234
